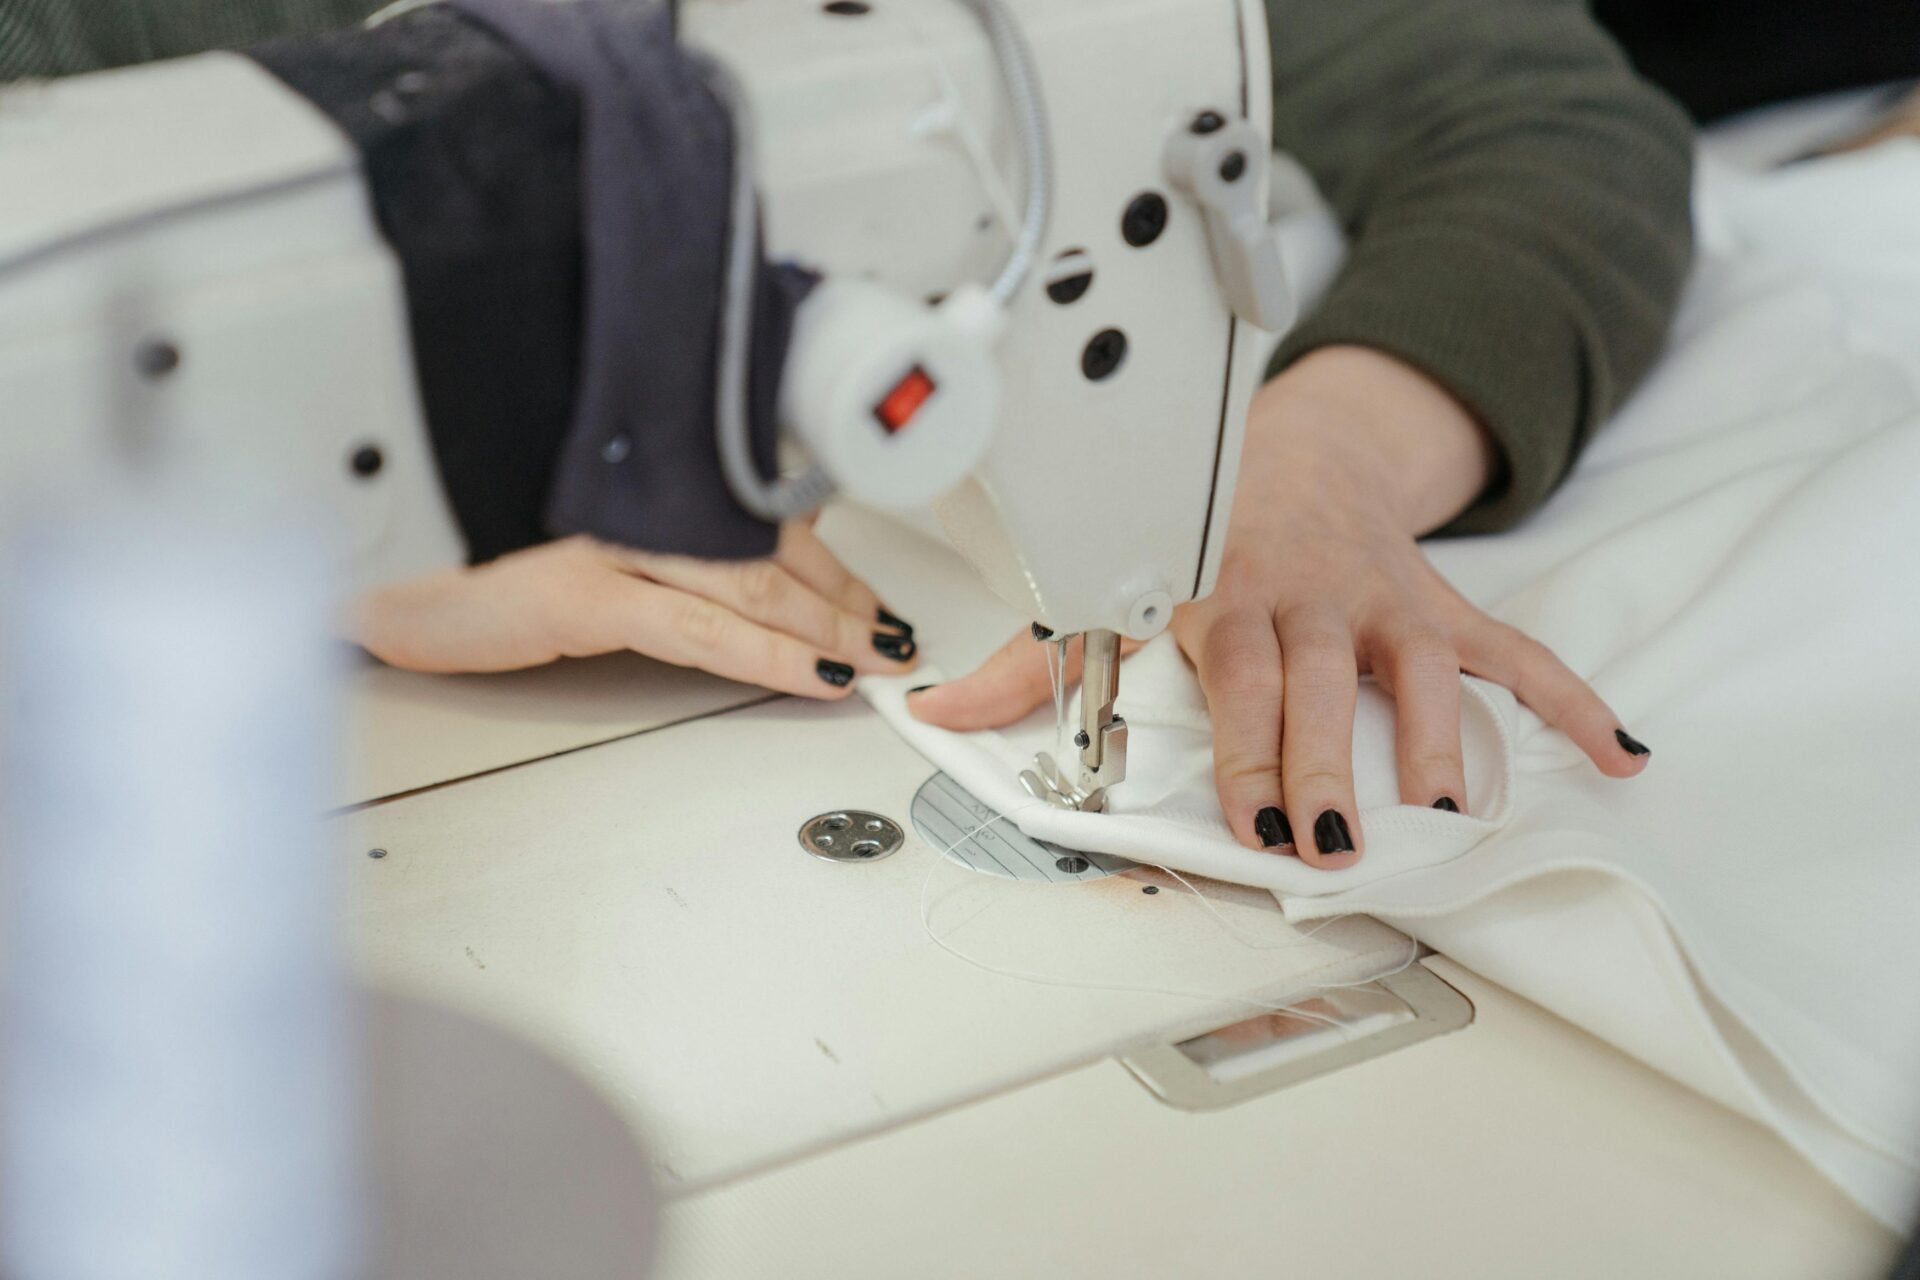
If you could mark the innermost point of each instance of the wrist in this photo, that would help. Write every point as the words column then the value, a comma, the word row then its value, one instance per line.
column 1364, row 426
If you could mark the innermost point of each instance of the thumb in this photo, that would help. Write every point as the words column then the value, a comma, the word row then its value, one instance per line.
column 1003, row 689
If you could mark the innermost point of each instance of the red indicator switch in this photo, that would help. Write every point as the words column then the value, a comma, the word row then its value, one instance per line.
column 901, row 403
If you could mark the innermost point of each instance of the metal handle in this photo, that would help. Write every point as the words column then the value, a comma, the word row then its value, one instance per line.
column 1255, row 1057
column 1224, row 169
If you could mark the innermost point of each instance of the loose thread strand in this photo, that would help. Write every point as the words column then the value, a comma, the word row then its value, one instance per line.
column 1220, row 921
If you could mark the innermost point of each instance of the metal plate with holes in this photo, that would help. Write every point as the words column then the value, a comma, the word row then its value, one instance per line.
column 975, row 835
column 851, row 835
column 1191, row 1078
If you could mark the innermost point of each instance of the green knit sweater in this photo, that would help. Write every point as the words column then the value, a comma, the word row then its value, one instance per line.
column 1516, row 198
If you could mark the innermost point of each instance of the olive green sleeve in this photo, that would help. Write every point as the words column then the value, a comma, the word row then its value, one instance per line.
column 1516, row 202
column 66, row 37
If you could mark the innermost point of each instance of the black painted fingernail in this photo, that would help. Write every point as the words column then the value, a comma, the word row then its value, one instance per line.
column 1331, row 834
column 837, row 674
column 1446, row 802
column 1630, row 744
column 1042, row 633
column 898, row 648
column 919, row 688
column 901, row 625
column 1272, row 827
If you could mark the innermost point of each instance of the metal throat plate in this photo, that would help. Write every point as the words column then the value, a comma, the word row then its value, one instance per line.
column 963, row 829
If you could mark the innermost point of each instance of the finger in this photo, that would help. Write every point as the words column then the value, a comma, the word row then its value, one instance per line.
column 1238, row 661
column 763, row 592
column 808, row 559
column 692, row 631
column 1001, row 690
column 1316, row 751
column 1565, row 701
column 1423, row 672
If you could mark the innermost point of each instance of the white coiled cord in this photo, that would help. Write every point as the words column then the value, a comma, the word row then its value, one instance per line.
column 1036, row 138
column 791, row 496
column 779, row 500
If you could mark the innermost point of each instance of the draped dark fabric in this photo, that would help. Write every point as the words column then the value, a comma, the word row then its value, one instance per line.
column 556, row 195
column 1722, row 56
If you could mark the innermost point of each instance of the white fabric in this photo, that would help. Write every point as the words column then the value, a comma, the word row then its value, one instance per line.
column 1735, row 566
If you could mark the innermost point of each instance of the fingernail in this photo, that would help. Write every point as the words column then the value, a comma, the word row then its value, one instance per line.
column 837, row 674
column 1331, row 834
column 1630, row 744
column 1042, row 633
column 919, row 688
column 1272, row 827
column 901, row 625
column 1446, row 802
column 898, row 648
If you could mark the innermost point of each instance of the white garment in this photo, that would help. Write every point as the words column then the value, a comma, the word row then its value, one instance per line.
column 1736, row 567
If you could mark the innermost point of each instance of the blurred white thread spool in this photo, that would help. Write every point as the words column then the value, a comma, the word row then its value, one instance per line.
column 179, row 1096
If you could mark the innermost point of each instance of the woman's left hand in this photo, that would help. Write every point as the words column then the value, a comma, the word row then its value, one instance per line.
column 1350, row 455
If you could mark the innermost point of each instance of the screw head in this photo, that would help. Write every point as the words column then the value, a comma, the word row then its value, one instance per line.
column 376, row 853
column 1073, row 864
column 1144, row 220
column 156, row 358
column 1232, row 165
column 1105, row 352
column 1208, row 122
column 367, row 461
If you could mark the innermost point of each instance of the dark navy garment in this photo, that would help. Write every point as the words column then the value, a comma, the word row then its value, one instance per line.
column 554, row 180
column 1719, row 57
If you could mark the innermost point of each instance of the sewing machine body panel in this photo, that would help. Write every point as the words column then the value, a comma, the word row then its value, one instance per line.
column 1109, row 480
column 1519, row 1147
column 636, row 907
column 190, row 265
column 411, row 731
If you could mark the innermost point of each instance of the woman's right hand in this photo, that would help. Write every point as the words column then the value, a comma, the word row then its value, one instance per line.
column 797, row 623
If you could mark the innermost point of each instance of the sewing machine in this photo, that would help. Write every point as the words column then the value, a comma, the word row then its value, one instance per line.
column 198, row 215
column 563, row 853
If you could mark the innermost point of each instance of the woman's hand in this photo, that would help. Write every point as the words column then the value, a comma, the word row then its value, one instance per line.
column 799, row 623
column 1350, row 456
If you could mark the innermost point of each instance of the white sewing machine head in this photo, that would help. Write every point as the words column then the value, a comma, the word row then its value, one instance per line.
column 889, row 139
column 890, row 150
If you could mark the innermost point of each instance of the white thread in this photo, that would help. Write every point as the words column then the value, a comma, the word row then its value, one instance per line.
column 926, row 925
column 1057, row 678
column 388, row 12
column 1227, row 925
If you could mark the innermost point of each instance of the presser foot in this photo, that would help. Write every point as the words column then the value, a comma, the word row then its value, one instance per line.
column 1102, row 738
column 1045, row 781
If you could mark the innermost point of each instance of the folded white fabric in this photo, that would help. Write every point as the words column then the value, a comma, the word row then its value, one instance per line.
column 1736, row 567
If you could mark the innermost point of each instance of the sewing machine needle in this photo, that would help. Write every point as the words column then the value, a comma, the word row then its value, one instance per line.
column 1102, row 739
